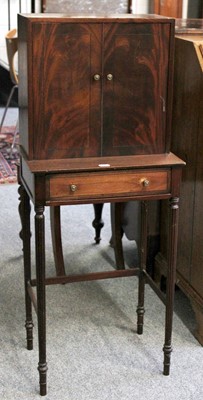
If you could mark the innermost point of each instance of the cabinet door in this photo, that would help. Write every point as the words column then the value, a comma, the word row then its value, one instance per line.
column 67, row 100
column 136, row 60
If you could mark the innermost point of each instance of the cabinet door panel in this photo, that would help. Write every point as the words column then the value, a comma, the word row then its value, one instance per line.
column 135, row 99
column 68, row 116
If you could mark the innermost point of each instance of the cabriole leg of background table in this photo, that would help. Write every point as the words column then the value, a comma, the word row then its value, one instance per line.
column 142, row 261
column 171, row 273
column 55, row 221
column 117, row 233
column 41, row 295
column 25, row 234
column 98, row 223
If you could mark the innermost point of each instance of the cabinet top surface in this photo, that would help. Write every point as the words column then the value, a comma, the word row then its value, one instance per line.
column 57, row 17
column 105, row 163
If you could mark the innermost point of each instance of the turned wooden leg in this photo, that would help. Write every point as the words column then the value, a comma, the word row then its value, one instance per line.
column 98, row 223
column 25, row 234
column 41, row 296
column 117, row 233
column 171, row 275
column 143, row 260
column 55, row 221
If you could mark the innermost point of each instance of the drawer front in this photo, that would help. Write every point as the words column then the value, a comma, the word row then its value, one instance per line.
column 109, row 184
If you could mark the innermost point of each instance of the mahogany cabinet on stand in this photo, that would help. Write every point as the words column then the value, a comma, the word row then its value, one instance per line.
column 95, row 112
column 187, row 142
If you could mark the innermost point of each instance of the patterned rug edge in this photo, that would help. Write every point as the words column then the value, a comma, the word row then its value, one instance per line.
column 8, row 168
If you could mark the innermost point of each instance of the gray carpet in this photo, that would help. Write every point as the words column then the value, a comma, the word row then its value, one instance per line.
column 93, row 350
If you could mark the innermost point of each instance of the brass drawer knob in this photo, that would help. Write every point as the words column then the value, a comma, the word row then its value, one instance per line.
column 109, row 77
column 145, row 182
column 73, row 188
column 96, row 77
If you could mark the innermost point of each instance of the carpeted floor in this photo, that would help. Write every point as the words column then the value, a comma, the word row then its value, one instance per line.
column 93, row 351
column 8, row 160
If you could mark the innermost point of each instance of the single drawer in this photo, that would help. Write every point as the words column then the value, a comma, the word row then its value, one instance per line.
column 108, row 184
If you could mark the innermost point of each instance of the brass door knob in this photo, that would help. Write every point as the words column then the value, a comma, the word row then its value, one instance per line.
column 97, row 77
column 109, row 77
column 73, row 188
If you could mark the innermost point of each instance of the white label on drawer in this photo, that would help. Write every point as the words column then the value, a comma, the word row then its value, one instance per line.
column 104, row 165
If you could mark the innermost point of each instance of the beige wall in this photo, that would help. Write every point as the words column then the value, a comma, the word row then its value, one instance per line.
column 87, row 6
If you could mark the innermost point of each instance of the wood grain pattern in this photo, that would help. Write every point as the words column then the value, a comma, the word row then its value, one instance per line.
column 135, row 100
column 98, row 184
column 71, row 115
column 170, row 8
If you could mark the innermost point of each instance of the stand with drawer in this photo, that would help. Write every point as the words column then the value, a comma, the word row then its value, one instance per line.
column 144, row 178
column 95, row 105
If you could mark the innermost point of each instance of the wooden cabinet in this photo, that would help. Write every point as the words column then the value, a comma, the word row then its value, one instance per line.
column 187, row 142
column 96, row 88
column 95, row 108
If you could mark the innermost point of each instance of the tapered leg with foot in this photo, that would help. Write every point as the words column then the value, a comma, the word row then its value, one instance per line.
column 172, row 251
column 143, row 259
column 41, row 296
